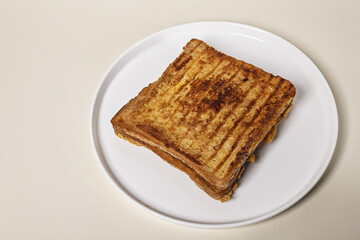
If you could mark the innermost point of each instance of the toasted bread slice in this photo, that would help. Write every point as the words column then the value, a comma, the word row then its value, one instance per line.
column 206, row 115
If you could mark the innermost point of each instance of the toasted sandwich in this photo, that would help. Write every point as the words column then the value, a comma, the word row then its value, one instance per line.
column 206, row 115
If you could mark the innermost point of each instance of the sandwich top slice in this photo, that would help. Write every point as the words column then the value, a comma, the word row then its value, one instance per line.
column 206, row 115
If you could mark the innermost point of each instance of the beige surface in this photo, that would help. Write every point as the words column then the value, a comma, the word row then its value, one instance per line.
column 52, row 57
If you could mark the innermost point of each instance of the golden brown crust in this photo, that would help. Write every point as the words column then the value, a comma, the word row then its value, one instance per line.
column 208, row 111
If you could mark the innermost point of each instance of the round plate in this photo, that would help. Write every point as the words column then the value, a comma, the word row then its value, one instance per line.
column 284, row 171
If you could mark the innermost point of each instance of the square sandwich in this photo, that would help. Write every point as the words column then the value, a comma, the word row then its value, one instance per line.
column 206, row 115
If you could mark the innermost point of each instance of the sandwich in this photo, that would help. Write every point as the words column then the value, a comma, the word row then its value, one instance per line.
column 206, row 115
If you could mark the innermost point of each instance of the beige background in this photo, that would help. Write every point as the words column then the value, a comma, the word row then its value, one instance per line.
column 52, row 57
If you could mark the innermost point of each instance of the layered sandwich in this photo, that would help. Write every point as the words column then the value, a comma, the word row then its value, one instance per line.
column 206, row 115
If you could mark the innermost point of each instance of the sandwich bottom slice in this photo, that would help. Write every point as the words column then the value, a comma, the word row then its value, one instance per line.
column 206, row 115
column 222, row 195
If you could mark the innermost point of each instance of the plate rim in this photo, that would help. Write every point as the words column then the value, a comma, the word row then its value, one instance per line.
column 103, row 165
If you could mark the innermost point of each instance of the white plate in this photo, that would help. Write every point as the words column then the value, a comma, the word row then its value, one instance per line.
column 285, row 170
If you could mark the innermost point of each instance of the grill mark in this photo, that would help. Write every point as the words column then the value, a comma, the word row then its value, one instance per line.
column 208, row 87
column 193, row 159
column 193, row 88
column 216, row 103
column 199, row 82
column 234, row 126
column 187, row 83
column 221, row 86
column 231, row 110
column 160, row 95
column 217, row 112
column 175, row 96
column 251, row 121
column 228, row 114
column 187, row 68
column 251, row 104
column 179, row 67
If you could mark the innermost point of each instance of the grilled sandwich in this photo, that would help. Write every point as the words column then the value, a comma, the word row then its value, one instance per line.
column 206, row 115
